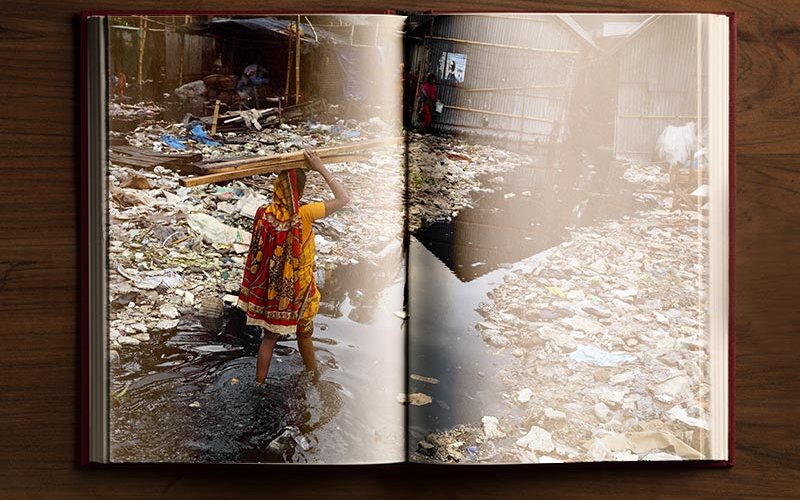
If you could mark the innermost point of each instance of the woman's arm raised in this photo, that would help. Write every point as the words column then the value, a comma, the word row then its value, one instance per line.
column 340, row 196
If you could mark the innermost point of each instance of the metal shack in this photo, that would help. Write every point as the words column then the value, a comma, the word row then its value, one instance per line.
column 660, row 83
column 499, row 75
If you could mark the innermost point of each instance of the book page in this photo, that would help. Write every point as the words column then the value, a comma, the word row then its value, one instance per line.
column 561, row 190
column 255, row 310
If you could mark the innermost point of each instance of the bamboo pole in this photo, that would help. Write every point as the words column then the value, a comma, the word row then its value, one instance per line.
column 530, row 87
column 497, row 113
column 142, row 40
column 504, row 46
column 288, row 68
column 261, row 170
column 297, row 62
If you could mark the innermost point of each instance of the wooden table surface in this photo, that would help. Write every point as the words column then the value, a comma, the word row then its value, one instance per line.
column 39, row 275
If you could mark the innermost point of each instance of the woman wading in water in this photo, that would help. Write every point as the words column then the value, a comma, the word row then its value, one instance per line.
column 278, row 291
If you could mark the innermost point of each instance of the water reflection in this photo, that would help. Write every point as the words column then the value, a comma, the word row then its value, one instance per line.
column 356, row 288
column 530, row 211
column 188, row 395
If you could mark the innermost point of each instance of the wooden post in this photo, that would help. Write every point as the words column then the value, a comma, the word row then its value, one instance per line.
column 142, row 40
column 297, row 62
column 216, row 117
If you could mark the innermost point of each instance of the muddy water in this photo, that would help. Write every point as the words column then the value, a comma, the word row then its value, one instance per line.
column 452, row 265
column 188, row 395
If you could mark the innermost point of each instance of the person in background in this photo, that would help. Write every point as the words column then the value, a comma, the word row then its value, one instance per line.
column 428, row 91
column 253, row 77
column 278, row 291
column 118, row 83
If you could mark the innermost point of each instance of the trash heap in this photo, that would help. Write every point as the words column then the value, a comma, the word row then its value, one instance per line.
column 608, row 342
column 444, row 175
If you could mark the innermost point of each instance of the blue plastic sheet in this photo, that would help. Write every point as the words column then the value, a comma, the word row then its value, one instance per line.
column 172, row 141
column 199, row 134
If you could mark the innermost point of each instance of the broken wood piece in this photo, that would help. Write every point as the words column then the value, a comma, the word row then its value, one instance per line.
column 130, row 156
column 239, row 116
column 215, row 118
column 265, row 169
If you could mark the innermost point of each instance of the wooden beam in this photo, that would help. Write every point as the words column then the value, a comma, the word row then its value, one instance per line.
column 261, row 161
column 260, row 170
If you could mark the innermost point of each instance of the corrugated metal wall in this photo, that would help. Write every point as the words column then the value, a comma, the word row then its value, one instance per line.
column 537, row 82
column 194, row 47
column 657, row 85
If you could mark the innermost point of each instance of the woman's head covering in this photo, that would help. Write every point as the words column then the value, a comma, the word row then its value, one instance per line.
column 285, row 195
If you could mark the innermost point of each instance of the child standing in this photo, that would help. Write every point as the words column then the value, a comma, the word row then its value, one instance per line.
column 278, row 290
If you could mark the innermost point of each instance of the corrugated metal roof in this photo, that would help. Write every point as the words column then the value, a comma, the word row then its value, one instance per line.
column 263, row 26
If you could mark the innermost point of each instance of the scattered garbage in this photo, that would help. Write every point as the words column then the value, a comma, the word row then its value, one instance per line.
column 419, row 399
column 139, row 111
column 599, row 357
column 491, row 428
column 443, row 172
column 216, row 233
column 421, row 378
column 677, row 144
column 610, row 327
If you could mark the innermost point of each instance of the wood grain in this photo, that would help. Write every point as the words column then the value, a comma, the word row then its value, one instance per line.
column 39, row 277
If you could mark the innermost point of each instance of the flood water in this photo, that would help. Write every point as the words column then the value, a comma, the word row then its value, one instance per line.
column 529, row 212
column 453, row 264
column 189, row 395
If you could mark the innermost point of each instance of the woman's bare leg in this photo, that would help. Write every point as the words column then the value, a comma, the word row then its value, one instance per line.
column 307, row 353
column 265, row 356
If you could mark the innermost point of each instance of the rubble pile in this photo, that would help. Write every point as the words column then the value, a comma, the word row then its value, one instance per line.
column 445, row 174
column 608, row 341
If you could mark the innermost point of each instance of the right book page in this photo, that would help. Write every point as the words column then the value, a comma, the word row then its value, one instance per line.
column 568, row 205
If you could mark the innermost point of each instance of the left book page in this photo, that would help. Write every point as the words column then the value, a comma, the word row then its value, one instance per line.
column 251, row 296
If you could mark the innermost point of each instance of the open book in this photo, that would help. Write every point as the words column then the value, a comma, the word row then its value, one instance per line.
column 533, row 265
